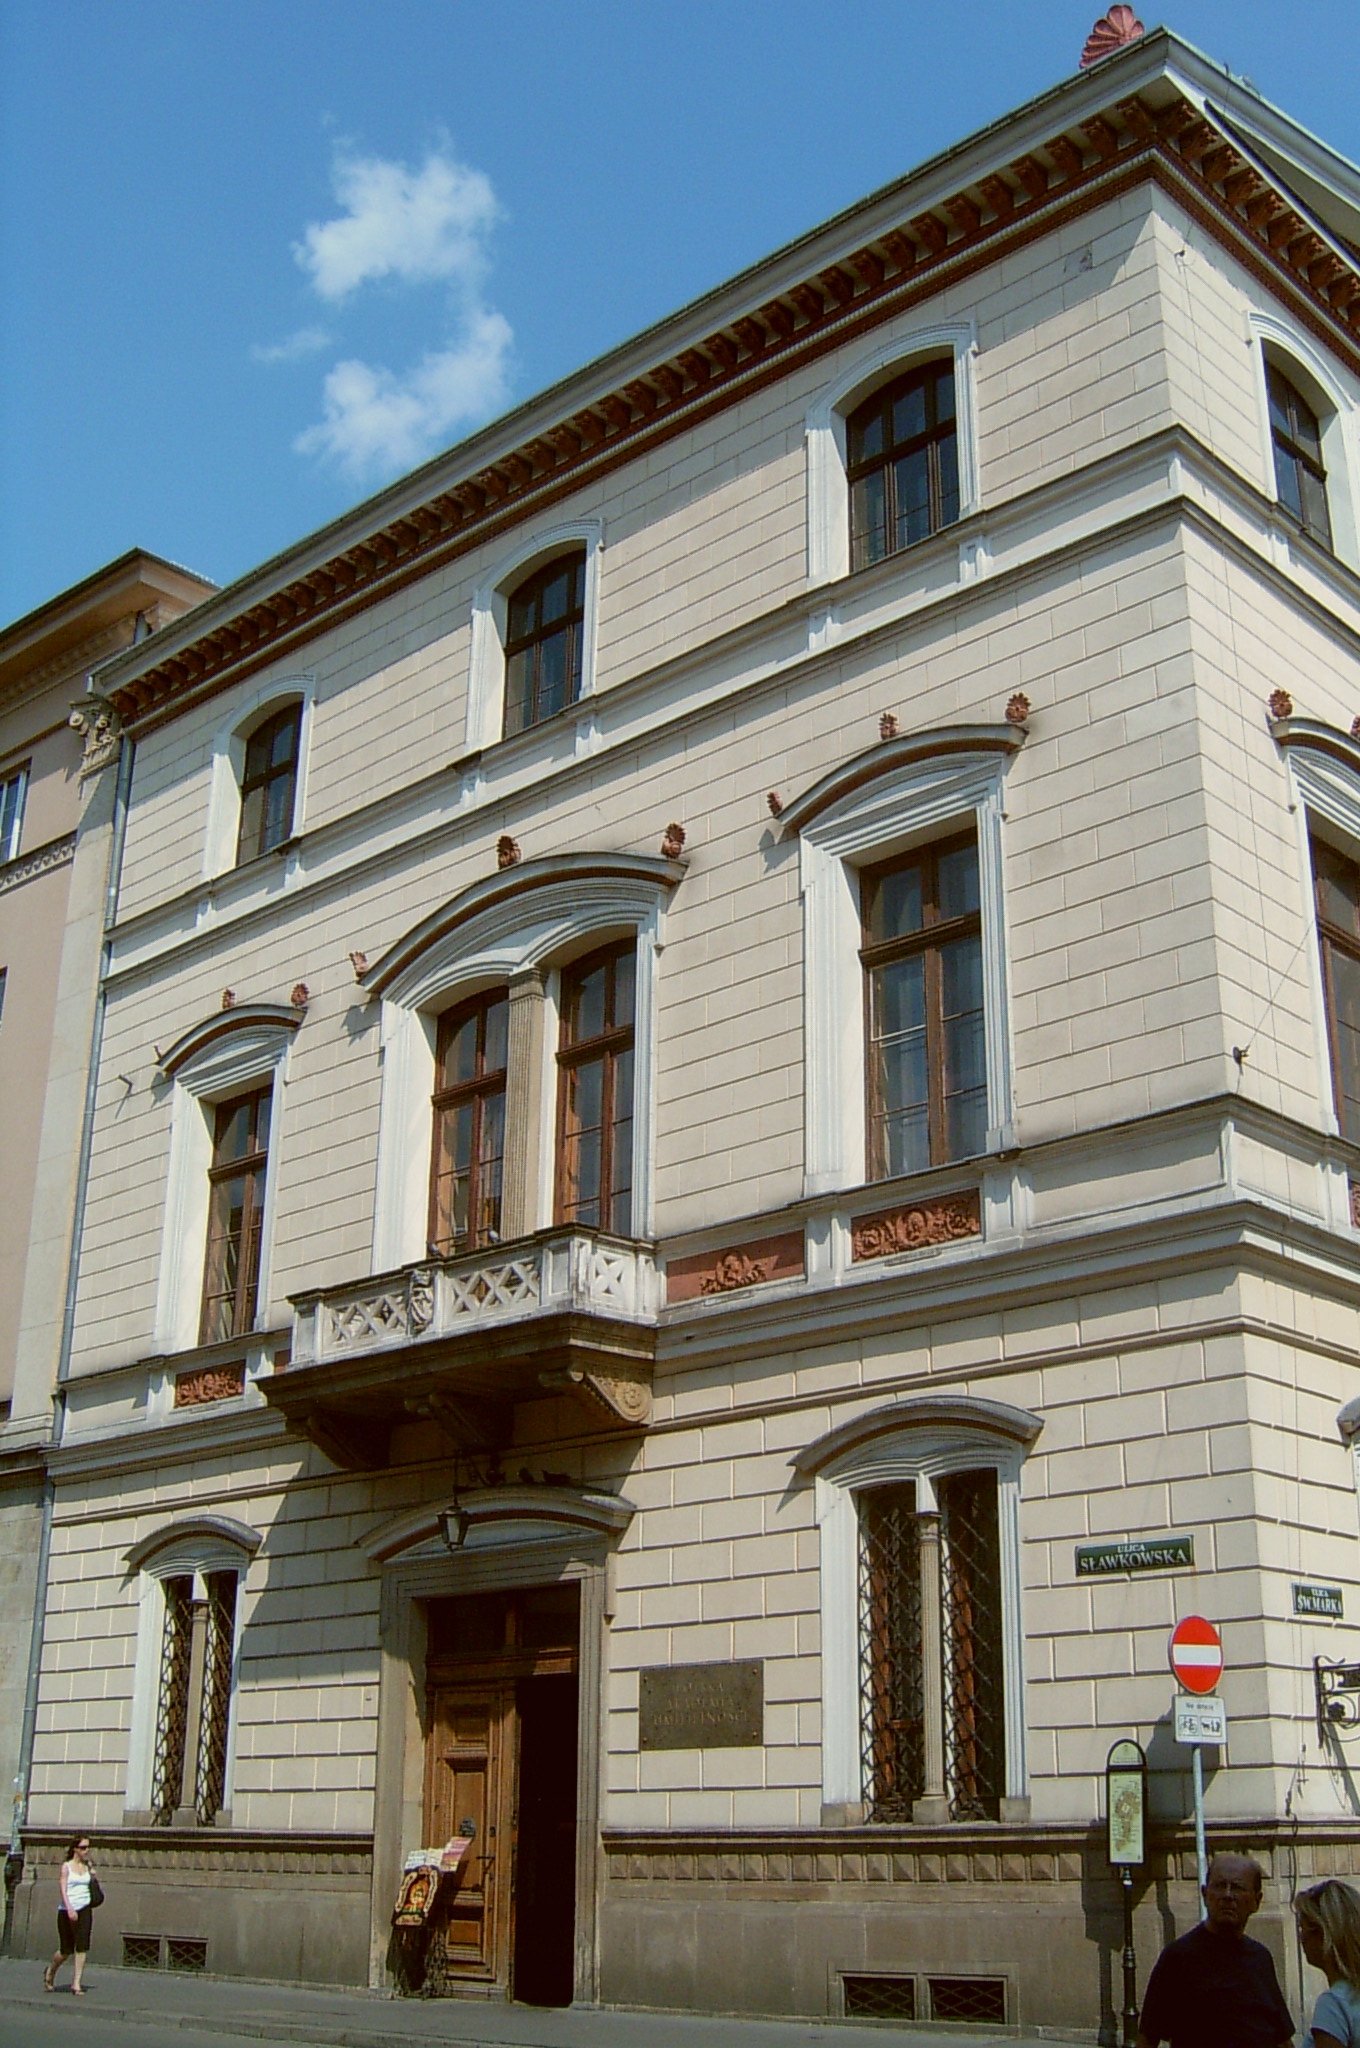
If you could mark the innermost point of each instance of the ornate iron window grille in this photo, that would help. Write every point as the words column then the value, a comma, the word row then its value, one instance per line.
column 217, row 1662
column 892, row 1707
column 974, row 1675
column 172, row 1703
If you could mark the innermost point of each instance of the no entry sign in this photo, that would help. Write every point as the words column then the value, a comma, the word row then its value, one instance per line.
column 1196, row 1654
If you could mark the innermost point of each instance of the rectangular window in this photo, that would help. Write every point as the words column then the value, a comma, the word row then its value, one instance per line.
column 926, row 1064
column 193, row 1703
column 13, row 790
column 595, row 1092
column 948, row 1559
column 469, row 1124
column 1336, row 894
column 235, row 1215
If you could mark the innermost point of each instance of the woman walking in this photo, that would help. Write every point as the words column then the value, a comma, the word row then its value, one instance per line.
column 73, row 1915
column 1329, row 1933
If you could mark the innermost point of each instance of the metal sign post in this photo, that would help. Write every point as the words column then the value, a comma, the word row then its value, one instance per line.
column 1196, row 1654
column 1126, row 1824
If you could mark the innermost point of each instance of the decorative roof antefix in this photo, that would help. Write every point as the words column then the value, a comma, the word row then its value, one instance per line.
column 1179, row 144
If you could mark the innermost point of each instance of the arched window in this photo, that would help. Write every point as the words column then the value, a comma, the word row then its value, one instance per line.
column 902, row 462
column 1296, row 442
column 269, row 784
column 544, row 634
column 918, row 1507
column 469, row 1124
column 595, row 1091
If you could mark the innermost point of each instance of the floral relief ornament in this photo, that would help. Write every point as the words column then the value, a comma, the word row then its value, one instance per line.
column 101, row 732
column 733, row 1270
column 209, row 1383
column 944, row 1220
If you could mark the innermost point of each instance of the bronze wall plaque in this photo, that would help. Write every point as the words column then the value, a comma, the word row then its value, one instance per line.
column 702, row 1706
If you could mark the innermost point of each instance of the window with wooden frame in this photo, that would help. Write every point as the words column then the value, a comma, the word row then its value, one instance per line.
column 193, row 1704
column 1336, row 894
column 469, row 1124
column 544, row 634
column 902, row 463
column 595, row 1092
column 932, row 1666
column 13, row 790
column 269, row 784
column 926, row 1048
column 236, row 1191
column 1296, row 441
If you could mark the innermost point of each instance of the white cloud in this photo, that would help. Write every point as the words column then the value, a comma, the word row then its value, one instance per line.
column 378, row 423
column 305, row 342
column 418, row 226
column 411, row 227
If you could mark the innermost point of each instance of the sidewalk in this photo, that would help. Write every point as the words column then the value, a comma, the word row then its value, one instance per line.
column 360, row 2019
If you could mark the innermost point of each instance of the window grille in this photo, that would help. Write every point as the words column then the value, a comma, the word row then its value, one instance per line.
column 880, row 1998
column 967, row 1998
column 172, row 1705
column 974, row 1686
column 892, row 1710
column 141, row 1951
column 183, row 1952
column 217, row 1662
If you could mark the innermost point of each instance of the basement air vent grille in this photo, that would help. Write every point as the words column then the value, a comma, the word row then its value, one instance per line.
column 967, row 1998
column 181, row 1953
column 880, row 1998
column 141, row 1951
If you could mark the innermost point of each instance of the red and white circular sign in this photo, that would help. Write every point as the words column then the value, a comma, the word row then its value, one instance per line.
column 1196, row 1653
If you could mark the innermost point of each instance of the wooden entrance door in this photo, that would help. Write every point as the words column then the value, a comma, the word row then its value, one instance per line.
column 469, row 1790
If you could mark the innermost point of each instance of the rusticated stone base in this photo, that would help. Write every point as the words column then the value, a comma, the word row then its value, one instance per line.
column 773, row 1922
column 291, row 1907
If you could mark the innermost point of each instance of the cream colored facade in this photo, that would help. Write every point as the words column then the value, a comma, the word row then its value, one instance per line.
column 49, row 958
column 1139, row 1307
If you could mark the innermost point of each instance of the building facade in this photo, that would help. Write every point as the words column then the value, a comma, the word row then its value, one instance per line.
column 724, row 1150
column 48, row 977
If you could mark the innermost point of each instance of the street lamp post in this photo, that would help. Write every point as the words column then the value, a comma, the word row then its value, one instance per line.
column 1126, row 1814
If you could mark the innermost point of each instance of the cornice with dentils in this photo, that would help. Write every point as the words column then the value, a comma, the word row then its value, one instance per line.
column 1145, row 127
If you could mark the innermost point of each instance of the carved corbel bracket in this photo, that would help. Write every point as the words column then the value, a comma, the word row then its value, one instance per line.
column 618, row 1397
column 101, row 732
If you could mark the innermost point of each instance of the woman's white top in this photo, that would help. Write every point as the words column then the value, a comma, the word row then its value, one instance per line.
column 77, row 1887
column 1337, row 2013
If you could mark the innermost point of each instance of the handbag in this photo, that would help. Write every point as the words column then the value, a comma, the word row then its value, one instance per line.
column 96, row 1891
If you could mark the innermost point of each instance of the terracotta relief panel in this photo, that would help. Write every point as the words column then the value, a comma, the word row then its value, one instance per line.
column 736, row 1267
column 940, row 1219
column 209, row 1383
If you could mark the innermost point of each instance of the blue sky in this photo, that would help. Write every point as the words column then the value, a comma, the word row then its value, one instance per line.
column 259, row 256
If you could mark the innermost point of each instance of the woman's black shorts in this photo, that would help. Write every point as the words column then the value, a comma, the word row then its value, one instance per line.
column 74, row 1935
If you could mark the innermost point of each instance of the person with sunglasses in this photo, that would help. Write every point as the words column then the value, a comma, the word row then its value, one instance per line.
column 74, row 1916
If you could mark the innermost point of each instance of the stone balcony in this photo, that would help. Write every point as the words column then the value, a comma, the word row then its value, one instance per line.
column 466, row 1340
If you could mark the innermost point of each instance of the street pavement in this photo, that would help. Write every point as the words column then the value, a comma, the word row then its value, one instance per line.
column 132, row 2009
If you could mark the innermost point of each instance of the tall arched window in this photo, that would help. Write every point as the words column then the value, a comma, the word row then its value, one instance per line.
column 469, row 1123
column 544, row 633
column 269, row 784
column 1296, row 440
column 903, row 463
column 595, row 1091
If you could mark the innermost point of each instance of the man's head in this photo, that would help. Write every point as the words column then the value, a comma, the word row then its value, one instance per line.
column 1233, row 1893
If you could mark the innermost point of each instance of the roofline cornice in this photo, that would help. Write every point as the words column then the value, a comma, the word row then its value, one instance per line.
column 1136, row 116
